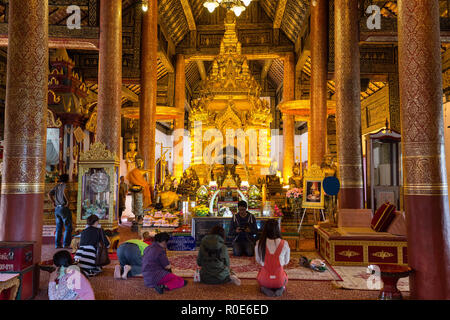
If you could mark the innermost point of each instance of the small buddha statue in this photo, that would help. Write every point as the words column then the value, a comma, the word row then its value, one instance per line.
column 228, row 194
column 167, row 196
column 296, row 180
column 130, row 156
column 328, row 166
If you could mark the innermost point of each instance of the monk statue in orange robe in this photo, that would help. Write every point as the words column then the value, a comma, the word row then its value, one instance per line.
column 141, row 190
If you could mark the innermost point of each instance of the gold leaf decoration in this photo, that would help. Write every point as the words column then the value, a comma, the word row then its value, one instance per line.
column 382, row 254
column 348, row 253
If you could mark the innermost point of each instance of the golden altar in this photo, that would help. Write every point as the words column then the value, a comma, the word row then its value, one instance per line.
column 230, row 123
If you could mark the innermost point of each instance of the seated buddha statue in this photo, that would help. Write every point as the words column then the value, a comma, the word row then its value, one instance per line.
column 167, row 197
column 296, row 181
column 328, row 166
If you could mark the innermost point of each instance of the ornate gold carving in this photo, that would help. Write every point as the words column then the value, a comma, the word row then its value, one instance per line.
column 382, row 254
column 98, row 152
column 91, row 125
column 348, row 253
column 230, row 72
column 56, row 99
column 51, row 122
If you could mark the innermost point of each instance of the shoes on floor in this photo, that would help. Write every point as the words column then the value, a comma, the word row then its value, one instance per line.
column 268, row 292
column 235, row 280
column 160, row 288
column 117, row 273
column 279, row 292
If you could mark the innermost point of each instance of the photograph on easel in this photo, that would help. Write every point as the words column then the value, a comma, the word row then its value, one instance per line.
column 313, row 194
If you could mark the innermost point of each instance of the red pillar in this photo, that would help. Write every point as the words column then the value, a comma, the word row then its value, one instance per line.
column 180, row 97
column 147, row 109
column 348, row 105
column 22, row 199
column 110, row 75
column 319, row 90
column 425, row 178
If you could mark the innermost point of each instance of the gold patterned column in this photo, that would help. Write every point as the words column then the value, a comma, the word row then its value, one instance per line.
column 425, row 179
column 147, row 109
column 180, row 97
column 288, row 120
column 22, row 197
column 319, row 58
column 348, row 105
column 110, row 75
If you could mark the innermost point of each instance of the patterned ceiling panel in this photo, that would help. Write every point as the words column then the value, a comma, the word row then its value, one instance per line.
column 295, row 15
column 276, row 72
column 269, row 6
column 192, row 75
column 197, row 7
column 171, row 14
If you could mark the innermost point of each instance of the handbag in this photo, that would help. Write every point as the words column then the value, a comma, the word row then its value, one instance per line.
column 102, row 257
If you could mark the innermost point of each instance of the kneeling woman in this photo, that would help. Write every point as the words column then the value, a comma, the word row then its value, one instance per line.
column 272, row 253
column 67, row 282
column 156, row 266
column 214, row 260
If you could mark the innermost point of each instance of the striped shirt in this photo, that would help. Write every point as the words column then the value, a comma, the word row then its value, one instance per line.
column 153, row 263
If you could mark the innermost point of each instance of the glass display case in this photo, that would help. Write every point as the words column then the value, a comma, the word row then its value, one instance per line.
column 384, row 179
column 98, row 187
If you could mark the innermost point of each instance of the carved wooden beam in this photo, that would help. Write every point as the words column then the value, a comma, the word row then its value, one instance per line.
column 130, row 95
column 201, row 69
column 166, row 61
column 279, row 13
column 188, row 14
column 266, row 68
column 66, row 43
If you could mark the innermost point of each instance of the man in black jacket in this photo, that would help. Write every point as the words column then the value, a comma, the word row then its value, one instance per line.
column 243, row 228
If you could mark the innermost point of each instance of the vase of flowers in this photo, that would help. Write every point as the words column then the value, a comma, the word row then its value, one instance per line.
column 295, row 198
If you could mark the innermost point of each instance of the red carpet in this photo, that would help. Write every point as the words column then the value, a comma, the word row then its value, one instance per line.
column 106, row 288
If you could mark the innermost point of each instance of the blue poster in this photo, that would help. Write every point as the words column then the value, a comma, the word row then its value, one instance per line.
column 181, row 243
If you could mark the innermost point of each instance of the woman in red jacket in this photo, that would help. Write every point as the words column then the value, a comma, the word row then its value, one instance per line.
column 272, row 253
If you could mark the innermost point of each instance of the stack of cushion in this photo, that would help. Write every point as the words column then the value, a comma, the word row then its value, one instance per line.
column 383, row 217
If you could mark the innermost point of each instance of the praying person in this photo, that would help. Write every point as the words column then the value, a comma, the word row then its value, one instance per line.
column 214, row 260
column 272, row 253
column 156, row 267
column 130, row 255
column 243, row 228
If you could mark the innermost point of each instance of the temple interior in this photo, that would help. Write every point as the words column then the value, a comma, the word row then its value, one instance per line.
column 330, row 116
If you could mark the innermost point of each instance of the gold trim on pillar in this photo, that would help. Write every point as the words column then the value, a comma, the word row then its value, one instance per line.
column 23, row 188
column 426, row 190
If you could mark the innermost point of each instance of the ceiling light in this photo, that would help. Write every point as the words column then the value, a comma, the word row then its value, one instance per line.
column 237, row 6
column 145, row 5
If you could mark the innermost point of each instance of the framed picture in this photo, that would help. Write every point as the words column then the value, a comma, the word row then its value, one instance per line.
column 313, row 194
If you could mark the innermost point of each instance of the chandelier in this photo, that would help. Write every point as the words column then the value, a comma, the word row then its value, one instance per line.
column 237, row 6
